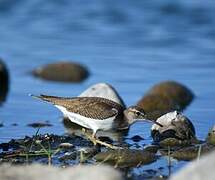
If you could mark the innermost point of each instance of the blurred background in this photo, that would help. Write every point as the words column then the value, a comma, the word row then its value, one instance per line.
column 131, row 45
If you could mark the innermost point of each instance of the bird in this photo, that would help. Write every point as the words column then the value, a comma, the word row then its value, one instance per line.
column 96, row 113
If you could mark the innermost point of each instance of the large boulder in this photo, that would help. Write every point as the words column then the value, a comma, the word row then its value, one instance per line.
column 103, row 90
column 62, row 71
column 165, row 97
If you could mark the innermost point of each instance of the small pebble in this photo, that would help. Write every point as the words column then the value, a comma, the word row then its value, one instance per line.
column 66, row 146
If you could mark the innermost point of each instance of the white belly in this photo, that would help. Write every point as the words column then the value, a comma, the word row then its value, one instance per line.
column 94, row 124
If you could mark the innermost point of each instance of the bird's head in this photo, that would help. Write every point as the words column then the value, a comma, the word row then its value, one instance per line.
column 136, row 113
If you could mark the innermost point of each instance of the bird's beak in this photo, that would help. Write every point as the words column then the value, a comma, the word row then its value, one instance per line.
column 148, row 120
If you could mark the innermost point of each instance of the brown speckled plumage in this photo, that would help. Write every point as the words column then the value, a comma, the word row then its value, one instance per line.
column 91, row 107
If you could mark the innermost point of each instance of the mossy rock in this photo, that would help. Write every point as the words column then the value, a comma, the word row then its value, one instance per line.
column 165, row 97
column 173, row 142
column 189, row 153
column 4, row 81
column 62, row 72
column 126, row 157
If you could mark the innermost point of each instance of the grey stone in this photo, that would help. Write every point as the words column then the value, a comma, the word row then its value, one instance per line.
column 103, row 90
column 39, row 172
column 198, row 169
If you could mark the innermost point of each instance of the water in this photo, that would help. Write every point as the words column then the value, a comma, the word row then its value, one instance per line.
column 129, row 44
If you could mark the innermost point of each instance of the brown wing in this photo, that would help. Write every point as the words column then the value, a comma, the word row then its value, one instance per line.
column 93, row 107
column 94, row 110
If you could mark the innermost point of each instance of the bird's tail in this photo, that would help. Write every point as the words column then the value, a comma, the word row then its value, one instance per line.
column 51, row 99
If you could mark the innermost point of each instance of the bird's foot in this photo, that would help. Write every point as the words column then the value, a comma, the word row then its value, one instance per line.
column 107, row 144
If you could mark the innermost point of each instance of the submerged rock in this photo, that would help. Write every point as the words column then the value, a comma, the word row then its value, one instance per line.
column 103, row 90
column 126, row 157
column 175, row 125
column 4, row 81
column 165, row 97
column 39, row 124
column 62, row 71
column 37, row 172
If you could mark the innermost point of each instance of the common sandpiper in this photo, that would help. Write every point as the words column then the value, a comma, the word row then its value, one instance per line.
column 97, row 113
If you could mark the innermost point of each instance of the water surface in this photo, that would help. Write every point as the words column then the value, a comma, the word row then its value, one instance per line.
column 129, row 44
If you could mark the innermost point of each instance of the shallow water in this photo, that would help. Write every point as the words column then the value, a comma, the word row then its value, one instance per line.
column 131, row 45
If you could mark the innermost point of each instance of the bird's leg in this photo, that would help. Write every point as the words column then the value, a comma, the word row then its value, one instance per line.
column 91, row 138
column 97, row 141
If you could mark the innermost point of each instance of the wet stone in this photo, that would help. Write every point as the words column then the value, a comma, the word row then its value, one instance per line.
column 176, row 128
column 68, row 156
column 62, row 72
column 137, row 138
column 126, row 157
column 190, row 152
column 39, row 124
column 152, row 148
column 172, row 142
column 66, row 146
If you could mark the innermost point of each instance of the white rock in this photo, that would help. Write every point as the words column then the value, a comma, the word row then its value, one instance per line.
column 177, row 123
column 39, row 172
column 171, row 120
column 103, row 90
column 198, row 170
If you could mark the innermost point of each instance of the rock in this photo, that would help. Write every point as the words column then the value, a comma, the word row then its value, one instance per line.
column 165, row 97
column 4, row 81
column 197, row 170
column 211, row 136
column 126, row 157
column 37, row 172
column 175, row 125
column 39, row 124
column 189, row 153
column 103, row 90
column 62, row 71
column 66, row 146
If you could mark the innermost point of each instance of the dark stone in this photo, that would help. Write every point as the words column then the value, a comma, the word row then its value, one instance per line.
column 136, row 138
column 39, row 124
column 165, row 97
column 126, row 157
column 4, row 81
column 62, row 72
column 5, row 146
column 190, row 152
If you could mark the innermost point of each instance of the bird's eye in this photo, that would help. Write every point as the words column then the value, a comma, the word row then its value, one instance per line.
column 137, row 113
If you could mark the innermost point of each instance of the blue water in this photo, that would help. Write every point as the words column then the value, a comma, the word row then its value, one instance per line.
column 129, row 44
